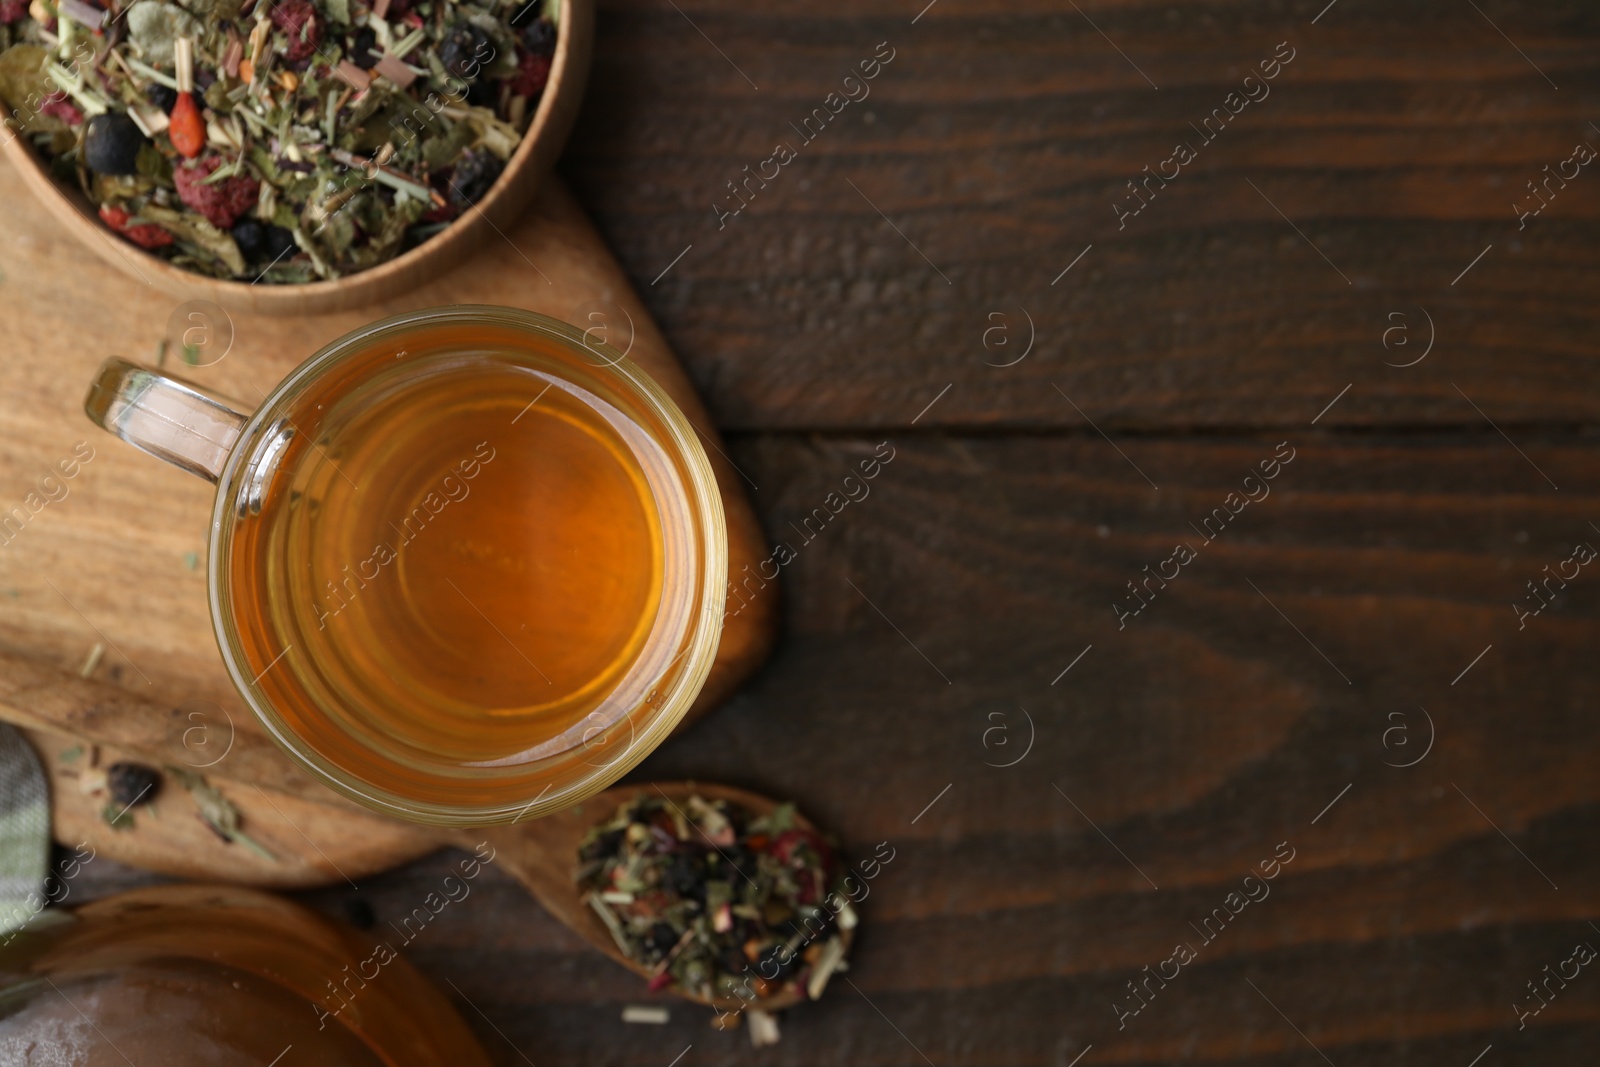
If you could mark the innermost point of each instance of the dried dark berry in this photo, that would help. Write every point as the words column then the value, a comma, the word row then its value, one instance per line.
column 464, row 50
column 262, row 242
column 685, row 877
column 603, row 845
column 776, row 962
column 527, row 12
column 359, row 913
column 539, row 37
column 484, row 93
column 363, row 48
column 251, row 237
column 819, row 922
column 112, row 143
column 131, row 784
column 278, row 244
column 662, row 938
column 474, row 175
column 161, row 96
column 732, row 863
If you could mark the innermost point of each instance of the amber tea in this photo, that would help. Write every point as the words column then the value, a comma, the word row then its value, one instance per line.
column 465, row 565
column 466, row 559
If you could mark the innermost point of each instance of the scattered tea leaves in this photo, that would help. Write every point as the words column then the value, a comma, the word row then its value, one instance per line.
column 116, row 816
column 132, row 784
column 217, row 811
column 92, row 660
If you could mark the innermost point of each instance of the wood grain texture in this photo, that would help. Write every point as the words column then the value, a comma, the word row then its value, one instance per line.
column 1196, row 739
column 1177, row 753
column 997, row 141
column 299, row 834
column 309, row 842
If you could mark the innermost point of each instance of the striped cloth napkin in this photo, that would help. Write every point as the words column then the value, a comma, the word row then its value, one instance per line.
column 24, row 830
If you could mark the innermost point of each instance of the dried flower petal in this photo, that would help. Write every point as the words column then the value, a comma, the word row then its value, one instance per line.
column 298, row 21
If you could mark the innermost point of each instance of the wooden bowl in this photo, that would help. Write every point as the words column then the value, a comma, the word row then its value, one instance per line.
column 529, row 164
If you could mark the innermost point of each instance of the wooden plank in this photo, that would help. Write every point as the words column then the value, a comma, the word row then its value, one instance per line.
column 1196, row 739
column 998, row 140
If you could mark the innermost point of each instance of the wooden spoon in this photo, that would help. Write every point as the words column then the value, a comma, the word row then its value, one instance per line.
column 541, row 855
column 314, row 836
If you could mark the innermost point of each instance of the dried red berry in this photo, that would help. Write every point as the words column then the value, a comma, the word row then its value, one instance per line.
column 532, row 73
column 790, row 841
column 145, row 235
column 185, row 128
column 59, row 105
column 298, row 20
column 220, row 202
column 447, row 213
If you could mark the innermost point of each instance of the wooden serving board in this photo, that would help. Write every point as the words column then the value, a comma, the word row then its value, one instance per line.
column 114, row 555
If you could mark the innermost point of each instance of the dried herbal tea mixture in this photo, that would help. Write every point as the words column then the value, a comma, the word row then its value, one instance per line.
column 723, row 905
column 276, row 140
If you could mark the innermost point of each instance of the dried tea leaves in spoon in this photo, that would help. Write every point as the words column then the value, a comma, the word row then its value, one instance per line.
column 722, row 904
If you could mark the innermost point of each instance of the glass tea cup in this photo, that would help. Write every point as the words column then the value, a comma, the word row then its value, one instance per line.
column 466, row 565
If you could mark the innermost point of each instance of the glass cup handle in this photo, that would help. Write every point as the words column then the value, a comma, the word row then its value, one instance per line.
column 163, row 416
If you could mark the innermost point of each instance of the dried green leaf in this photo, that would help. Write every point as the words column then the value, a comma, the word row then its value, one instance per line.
column 441, row 152
column 22, row 79
column 215, row 10
column 117, row 817
column 216, row 97
column 197, row 231
column 217, row 810
column 155, row 24
column 153, row 165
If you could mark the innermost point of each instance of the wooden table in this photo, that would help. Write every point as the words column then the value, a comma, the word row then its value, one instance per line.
column 1340, row 268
